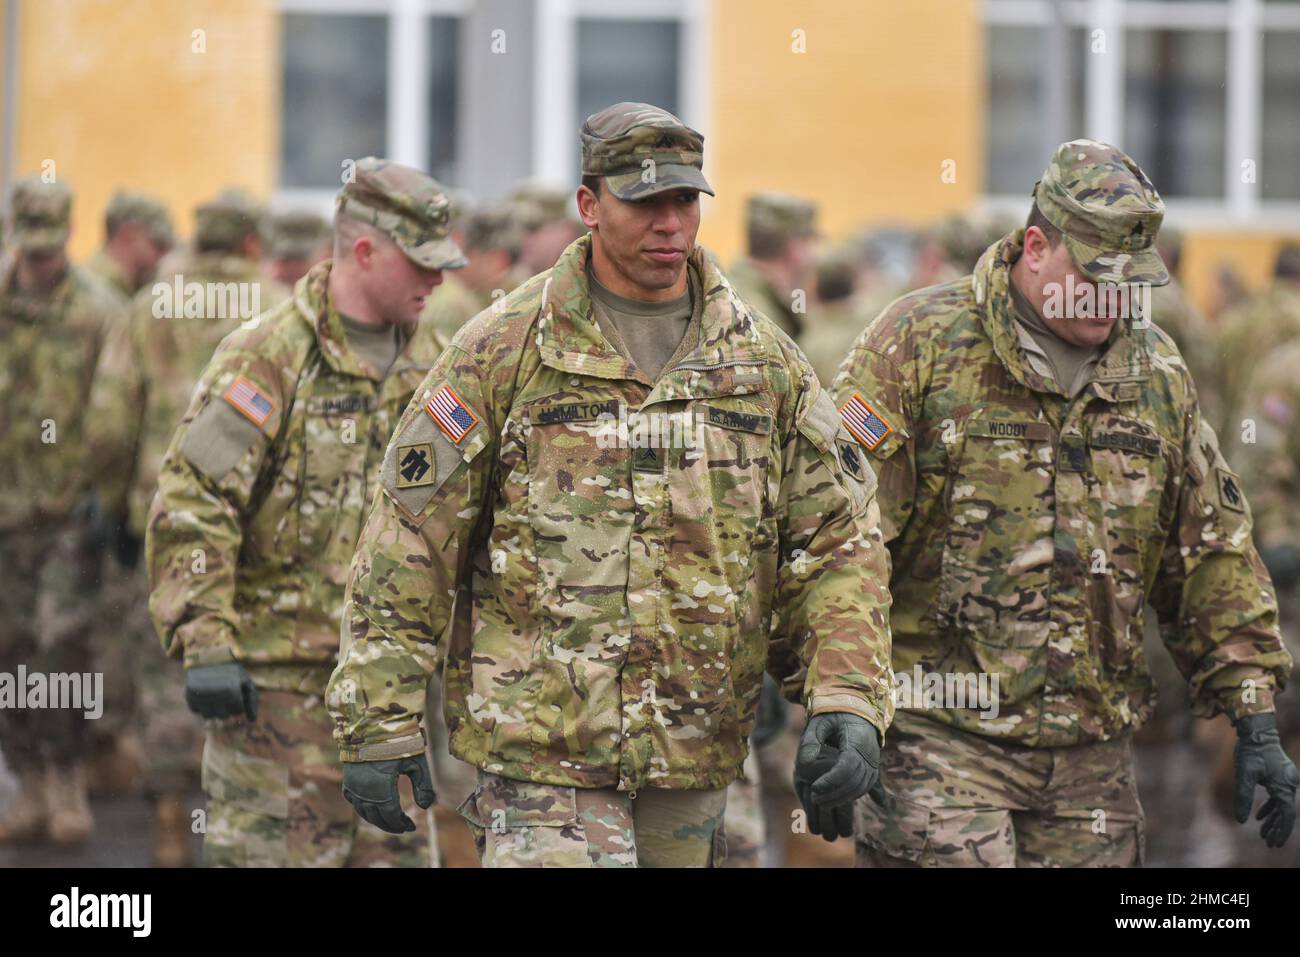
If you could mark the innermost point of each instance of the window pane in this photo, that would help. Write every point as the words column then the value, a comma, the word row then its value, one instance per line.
column 626, row 60
column 335, row 102
column 1021, row 134
column 1279, row 172
column 1174, row 108
column 444, row 59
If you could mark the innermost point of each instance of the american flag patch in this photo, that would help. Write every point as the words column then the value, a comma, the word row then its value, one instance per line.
column 251, row 401
column 452, row 415
column 861, row 419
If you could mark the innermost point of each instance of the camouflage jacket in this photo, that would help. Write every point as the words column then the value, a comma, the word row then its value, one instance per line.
column 450, row 306
column 263, row 490
column 617, row 606
column 1027, row 531
column 106, row 268
column 148, row 371
column 1270, row 462
column 1249, row 333
column 48, row 349
column 753, row 287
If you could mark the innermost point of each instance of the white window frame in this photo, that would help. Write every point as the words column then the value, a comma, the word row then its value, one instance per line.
column 555, row 66
column 1245, row 23
column 407, row 129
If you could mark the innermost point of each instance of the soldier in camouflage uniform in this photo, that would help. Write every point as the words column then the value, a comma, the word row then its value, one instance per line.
column 780, row 231
column 615, row 589
column 54, row 319
column 1033, row 500
column 261, row 497
column 296, row 241
column 491, row 242
column 1249, row 333
column 145, row 380
column 137, row 234
column 546, row 227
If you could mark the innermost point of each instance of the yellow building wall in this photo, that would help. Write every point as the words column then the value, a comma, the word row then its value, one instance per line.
column 1251, row 255
column 861, row 122
column 114, row 92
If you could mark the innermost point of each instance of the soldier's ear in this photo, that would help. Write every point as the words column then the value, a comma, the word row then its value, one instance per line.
column 587, row 202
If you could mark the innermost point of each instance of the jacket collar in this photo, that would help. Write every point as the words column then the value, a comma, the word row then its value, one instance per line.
column 570, row 339
column 312, row 301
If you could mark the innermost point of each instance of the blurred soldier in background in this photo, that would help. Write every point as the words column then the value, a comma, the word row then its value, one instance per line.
column 1173, row 311
column 54, row 320
column 296, row 241
column 546, row 224
column 1251, row 331
column 261, row 497
column 145, row 380
column 834, row 322
column 137, row 234
column 491, row 243
column 775, row 274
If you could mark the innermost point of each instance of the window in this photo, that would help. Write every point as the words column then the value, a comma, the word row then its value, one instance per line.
column 1202, row 94
column 334, row 101
column 367, row 78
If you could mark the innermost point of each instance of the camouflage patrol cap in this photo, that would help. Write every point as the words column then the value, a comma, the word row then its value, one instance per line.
column 493, row 228
column 297, row 235
column 642, row 150
column 783, row 215
column 409, row 206
column 40, row 213
column 533, row 205
column 127, row 206
column 1108, row 211
column 222, row 223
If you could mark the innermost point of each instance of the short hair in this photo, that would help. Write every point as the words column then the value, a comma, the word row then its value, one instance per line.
column 348, row 229
column 763, row 243
column 1036, row 218
column 592, row 182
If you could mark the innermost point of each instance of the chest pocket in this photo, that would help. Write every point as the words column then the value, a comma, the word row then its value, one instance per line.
column 1130, row 465
column 581, row 510
column 998, row 543
column 334, row 487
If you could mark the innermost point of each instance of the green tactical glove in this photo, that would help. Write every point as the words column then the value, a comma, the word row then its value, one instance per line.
column 371, row 786
column 220, row 691
column 1260, row 760
column 838, row 762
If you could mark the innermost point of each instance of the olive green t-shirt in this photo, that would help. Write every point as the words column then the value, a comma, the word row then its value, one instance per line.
column 378, row 345
column 649, row 333
column 1071, row 365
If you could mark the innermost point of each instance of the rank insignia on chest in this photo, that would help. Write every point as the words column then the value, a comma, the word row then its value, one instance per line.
column 415, row 465
column 866, row 425
column 452, row 415
column 250, row 401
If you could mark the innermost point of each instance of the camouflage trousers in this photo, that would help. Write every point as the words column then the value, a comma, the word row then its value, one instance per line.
column 746, row 827
column 525, row 824
column 962, row 800
column 45, row 613
column 138, row 676
column 275, row 795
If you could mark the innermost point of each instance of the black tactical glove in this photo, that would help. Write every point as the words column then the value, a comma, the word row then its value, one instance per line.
column 1260, row 760
column 220, row 691
column 371, row 786
column 773, row 714
column 1283, row 564
column 838, row 762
